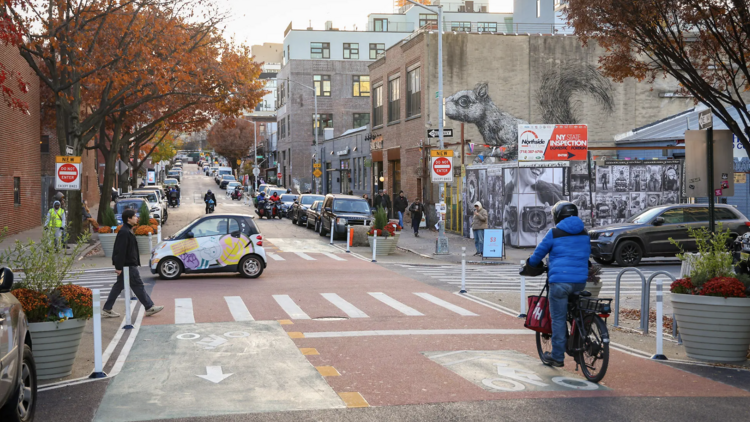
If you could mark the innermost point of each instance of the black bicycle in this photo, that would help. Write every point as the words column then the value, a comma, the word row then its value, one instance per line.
column 587, row 335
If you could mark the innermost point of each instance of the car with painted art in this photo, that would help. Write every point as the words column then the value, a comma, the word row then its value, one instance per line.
column 210, row 244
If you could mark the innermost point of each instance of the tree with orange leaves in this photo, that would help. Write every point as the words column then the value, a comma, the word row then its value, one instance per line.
column 10, row 34
column 232, row 138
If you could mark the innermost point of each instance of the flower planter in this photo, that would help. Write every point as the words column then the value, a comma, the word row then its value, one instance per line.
column 55, row 346
column 714, row 329
column 108, row 243
column 144, row 247
column 594, row 289
column 385, row 245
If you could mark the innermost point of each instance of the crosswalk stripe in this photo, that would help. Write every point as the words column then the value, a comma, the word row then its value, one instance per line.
column 291, row 308
column 304, row 256
column 447, row 305
column 345, row 306
column 393, row 303
column 275, row 257
column 238, row 309
column 333, row 256
column 183, row 311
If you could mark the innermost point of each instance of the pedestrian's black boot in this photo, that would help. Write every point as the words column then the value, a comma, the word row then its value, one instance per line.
column 547, row 356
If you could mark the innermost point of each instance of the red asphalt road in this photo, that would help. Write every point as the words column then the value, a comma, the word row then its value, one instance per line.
column 390, row 370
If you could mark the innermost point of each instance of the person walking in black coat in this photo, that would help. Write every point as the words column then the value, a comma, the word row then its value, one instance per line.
column 387, row 203
column 378, row 200
column 416, row 210
column 400, row 206
column 125, row 254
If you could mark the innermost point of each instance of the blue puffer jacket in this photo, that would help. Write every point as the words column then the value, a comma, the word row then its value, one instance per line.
column 569, row 249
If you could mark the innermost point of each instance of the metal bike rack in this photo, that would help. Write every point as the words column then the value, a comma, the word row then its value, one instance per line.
column 646, row 298
column 617, row 291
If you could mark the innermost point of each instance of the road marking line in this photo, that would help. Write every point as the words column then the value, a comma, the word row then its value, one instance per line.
column 296, row 334
column 354, row 399
column 463, row 331
column 285, row 322
column 123, row 356
column 308, row 351
column 291, row 308
column 275, row 257
column 304, row 256
column 447, row 305
column 345, row 306
column 393, row 303
column 328, row 371
column 183, row 311
column 238, row 309
column 333, row 256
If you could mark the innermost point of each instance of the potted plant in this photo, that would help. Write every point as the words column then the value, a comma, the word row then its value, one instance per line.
column 143, row 229
column 107, row 232
column 56, row 312
column 385, row 233
column 594, row 282
column 711, row 304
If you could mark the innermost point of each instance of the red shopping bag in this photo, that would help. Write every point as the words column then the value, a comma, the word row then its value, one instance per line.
column 538, row 316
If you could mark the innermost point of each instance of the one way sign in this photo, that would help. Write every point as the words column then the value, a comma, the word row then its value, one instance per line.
column 434, row 133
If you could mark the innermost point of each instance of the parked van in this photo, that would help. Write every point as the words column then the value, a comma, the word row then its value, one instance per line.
column 221, row 171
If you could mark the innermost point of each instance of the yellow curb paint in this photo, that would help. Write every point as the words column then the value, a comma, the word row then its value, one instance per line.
column 286, row 322
column 354, row 400
column 308, row 351
column 328, row 371
column 296, row 334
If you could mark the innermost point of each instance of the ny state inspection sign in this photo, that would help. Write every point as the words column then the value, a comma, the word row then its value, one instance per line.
column 552, row 142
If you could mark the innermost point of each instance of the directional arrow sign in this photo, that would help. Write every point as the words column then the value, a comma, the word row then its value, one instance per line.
column 214, row 374
column 434, row 133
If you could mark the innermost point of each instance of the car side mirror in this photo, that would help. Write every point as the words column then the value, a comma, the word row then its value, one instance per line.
column 6, row 280
column 189, row 235
column 327, row 209
column 658, row 221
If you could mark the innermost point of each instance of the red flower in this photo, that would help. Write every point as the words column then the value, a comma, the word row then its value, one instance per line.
column 723, row 287
column 683, row 286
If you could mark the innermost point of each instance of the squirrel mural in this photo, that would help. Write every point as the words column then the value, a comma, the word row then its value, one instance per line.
column 555, row 99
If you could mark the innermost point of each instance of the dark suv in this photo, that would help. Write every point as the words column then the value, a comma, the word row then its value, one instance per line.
column 647, row 234
column 338, row 211
column 298, row 212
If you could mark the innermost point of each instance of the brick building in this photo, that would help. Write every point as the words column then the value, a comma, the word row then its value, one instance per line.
column 19, row 141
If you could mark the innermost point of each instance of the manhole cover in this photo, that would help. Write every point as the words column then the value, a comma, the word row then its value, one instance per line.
column 330, row 318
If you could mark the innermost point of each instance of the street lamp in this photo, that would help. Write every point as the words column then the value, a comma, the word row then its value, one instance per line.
column 442, row 241
column 315, row 101
column 255, row 159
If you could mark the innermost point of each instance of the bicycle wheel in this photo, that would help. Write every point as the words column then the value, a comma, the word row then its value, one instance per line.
column 595, row 355
column 543, row 344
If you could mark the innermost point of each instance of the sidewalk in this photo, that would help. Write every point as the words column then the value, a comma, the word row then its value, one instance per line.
column 425, row 245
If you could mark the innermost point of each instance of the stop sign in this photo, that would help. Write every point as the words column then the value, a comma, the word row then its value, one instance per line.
column 67, row 173
column 280, row 175
column 441, row 166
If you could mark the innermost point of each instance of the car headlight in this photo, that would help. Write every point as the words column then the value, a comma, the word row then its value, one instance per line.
column 154, row 209
column 606, row 234
column 341, row 221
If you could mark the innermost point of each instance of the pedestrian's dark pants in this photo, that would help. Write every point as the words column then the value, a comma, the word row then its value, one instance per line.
column 136, row 286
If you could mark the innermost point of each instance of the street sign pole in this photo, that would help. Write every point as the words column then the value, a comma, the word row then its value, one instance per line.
column 711, row 192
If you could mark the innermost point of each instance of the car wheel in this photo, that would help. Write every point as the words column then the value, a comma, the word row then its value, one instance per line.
column 294, row 221
column 628, row 254
column 307, row 223
column 251, row 266
column 321, row 231
column 170, row 269
column 603, row 261
column 21, row 405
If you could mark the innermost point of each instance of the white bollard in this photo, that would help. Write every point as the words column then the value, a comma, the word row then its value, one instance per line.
column 659, row 322
column 348, row 238
column 523, row 294
column 374, row 247
column 150, row 242
column 158, row 234
column 463, row 269
column 98, row 369
column 126, row 289
column 332, row 229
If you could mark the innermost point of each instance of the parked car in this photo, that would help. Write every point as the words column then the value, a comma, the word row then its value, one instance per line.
column 648, row 233
column 225, row 179
column 287, row 200
column 220, row 243
column 159, row 190
column 342, row 210
column 298, row 212
column 262, row 188
column 221, row 171
column 168, row 183
column 175, row 174
column 211, row 170
column 313, row 215
column 18, row 385
column 123, row 203
column 230, row 186
column 157, row 208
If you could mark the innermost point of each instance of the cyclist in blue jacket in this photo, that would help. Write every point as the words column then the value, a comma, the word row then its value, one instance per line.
column 569, row 249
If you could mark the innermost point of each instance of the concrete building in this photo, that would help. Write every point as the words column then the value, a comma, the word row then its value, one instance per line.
column 345, row 162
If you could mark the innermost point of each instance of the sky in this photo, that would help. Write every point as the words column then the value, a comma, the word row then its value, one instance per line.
column 259, row 21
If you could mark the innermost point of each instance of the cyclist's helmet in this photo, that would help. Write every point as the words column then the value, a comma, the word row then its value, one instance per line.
column 563, row 210
column 209, row 191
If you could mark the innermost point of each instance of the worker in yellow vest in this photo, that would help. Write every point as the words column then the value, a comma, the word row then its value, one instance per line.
column 56, row 221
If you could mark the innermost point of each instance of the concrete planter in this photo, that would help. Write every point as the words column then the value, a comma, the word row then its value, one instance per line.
column 714, row 329
column 385, row 245
column 144, row 247
column 108, row 243
column 55, row 346
column 594, row 289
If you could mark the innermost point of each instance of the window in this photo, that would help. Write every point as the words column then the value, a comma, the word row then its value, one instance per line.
column 696, row 214
column 381, row 25
column 17, row 190
column 44, row 143
column 324, row 121
column 673, row 216
column 360, row 119
column 724, row 214
column 320, row 50
column 322, row 85
column 377, row 106
column 461, row 26
column 487, row 27
column 375, row 50
column 413, row 93
column 281, row 99
column 394, row 100
column 351, row 51
column 282, row 128
column 428, row 19
column 210, row 227
column 360, row 86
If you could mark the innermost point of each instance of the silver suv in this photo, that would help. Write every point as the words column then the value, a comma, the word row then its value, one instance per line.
column 18, row 382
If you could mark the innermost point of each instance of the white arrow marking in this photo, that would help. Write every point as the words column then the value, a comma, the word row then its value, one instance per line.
column 214, row 374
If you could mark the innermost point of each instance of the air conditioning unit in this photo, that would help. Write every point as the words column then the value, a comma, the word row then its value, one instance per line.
column 461, row 8
column 483, row 9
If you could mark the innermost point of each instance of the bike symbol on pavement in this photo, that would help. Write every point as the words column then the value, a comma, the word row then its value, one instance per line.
column 212, row 341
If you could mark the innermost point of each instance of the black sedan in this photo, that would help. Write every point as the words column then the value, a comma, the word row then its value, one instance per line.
column 287, row 200
column 313, row 215
column 225, row 181
column 298, row 211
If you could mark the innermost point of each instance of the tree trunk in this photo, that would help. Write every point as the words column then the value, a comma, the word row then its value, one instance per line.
column 109, row 178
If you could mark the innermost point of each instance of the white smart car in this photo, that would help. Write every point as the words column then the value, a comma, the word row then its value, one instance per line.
column 212, row 243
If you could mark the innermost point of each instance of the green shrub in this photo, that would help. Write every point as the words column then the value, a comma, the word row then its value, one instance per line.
column 143, row 215
column 381, row 219
column 715, row 258
column 108, row 218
